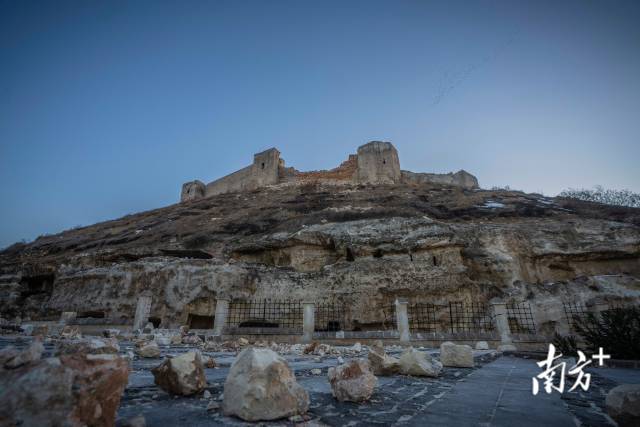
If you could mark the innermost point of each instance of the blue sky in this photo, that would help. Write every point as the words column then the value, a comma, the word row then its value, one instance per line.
column 107, row 107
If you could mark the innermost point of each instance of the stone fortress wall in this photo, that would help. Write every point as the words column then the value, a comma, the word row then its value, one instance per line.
column 375, row 163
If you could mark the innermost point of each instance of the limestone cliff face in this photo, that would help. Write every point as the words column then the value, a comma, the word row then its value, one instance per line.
column 359, row 245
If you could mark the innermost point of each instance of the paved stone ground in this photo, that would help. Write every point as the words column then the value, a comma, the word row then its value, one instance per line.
column 495, row 393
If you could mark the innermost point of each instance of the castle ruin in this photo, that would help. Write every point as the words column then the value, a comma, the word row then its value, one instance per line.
column 375, row 163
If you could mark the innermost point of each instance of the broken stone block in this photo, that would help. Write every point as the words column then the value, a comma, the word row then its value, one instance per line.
column 261, row 386
column 243, row 341
column 353, row 381
column 70, row 332
column 12, row 358
column 456, row 355
column 623, row 404
column 381, row 363
column 110, row 333
column 162, row 340
column 482, row 345
column 183, row 375
column 147, row 349
column 72, row 390
column 414, row 362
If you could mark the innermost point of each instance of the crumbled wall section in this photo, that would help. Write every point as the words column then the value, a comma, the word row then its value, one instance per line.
column 376, row 163
column 461, row 178
column 192, row 190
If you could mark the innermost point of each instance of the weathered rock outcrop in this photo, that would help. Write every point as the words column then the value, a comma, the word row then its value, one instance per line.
column 261, row 386
column 183, row 375
column 361, row 246
column 352, row 381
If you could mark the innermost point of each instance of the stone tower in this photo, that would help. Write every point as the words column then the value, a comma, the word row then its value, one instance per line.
column 264, row 170
column 378, row 163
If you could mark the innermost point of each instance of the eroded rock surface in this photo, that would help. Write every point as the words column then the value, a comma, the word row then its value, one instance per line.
column 623, row 405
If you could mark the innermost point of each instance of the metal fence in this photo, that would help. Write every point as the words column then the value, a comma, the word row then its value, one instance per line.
column 265, row 314
column 575, row 312
column 389, row 321
column 330, row 317
column 521, row 318
column 422, row 317
column 470, row 317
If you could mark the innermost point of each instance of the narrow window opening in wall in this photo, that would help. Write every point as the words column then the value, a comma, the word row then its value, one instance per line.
column 155, row 321
column 384, row 162
column 410, row 256
column 377, row 253
column 197, row 321
column 435, row 261
column 263, row 166
column 349, row 255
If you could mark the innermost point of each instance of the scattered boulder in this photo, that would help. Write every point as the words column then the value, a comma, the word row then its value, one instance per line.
column 12, row 358
column 243, row 341
column 353, row 381
column 507, row 348
column 110, row 333
column 176, row 339
column 148, row 349
column 381, row 363
column 192, row 339
column 208, row 361
column 414, row 362
column 316, row 371
column 482, row 345
column 623, row 404
column 72, row 390
column 70, row 332
column 357, row 347
column 162, row 340
column 183, row 375
column 456, row 355
column 261, row 386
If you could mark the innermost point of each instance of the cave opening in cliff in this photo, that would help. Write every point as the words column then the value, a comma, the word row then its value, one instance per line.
column 197, row 321
column 155, row 321
column 37, row 284
column 377, row 253
column 349, row 254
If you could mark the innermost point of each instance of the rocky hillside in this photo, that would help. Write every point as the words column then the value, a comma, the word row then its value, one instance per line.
column 362, row 246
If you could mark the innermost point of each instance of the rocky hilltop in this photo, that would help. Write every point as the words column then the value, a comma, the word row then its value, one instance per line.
column 358, row 245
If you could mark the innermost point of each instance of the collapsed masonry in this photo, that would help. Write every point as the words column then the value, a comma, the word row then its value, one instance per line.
column 375, row 163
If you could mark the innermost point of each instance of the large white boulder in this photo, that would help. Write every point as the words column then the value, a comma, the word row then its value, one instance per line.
column 456, row 355
column 261, row 386
column 148, row 349
column 381, row 363
column 623, row 404
column 414, row 362
column 183, row 375
column 352, row 381
column 482, row 345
